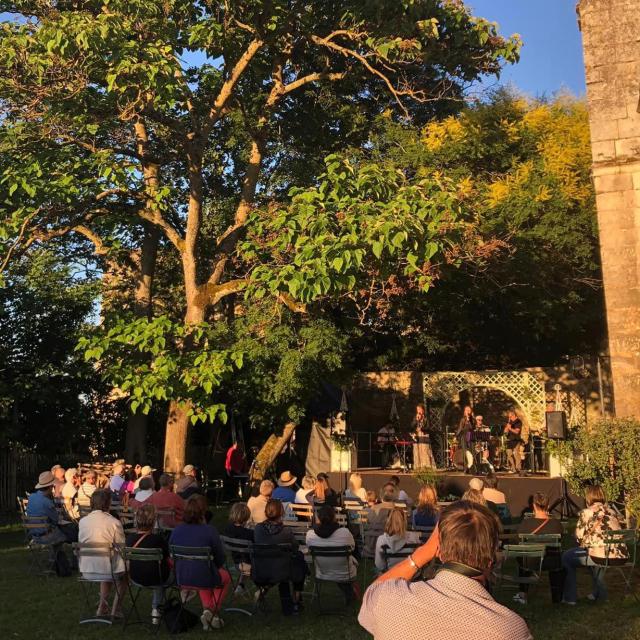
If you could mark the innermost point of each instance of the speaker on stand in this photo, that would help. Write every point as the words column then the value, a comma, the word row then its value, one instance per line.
column 557, row 430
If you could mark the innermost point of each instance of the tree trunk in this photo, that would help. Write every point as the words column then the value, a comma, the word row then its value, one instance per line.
column 136, row 438
column 177, row 430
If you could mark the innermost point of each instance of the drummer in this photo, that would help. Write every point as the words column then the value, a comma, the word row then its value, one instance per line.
column 480, row 426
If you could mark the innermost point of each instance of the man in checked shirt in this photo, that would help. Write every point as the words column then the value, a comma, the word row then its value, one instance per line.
column 453, row 605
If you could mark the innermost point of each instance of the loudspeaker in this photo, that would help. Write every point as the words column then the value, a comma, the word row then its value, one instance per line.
column 556, row 425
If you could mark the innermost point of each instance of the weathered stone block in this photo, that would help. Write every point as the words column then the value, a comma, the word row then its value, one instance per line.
column 628, row 148
column 603, row 151
column 613, row 182
column 602, row 130
column 616, row 200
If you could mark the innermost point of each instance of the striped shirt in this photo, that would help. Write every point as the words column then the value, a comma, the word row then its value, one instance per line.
column 448, row 607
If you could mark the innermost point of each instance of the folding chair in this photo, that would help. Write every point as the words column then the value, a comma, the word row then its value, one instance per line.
column 626, row 568
column 107, row 552
column 425, row 532
column 299, row 529
column 303, row 512
column 165, row 520
column 215, row 487
column 37, row 546
column 371, row 532
column 530, row 556
column 331, row 560
column 274, row 555
column 22, row 505
column 203, row 555
column 151, row 556
column 236, row 549
column 391, row 558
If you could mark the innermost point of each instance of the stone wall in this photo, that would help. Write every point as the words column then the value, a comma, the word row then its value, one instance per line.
column 611, row 38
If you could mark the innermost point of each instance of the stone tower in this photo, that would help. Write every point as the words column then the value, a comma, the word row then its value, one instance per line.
column 611, row 38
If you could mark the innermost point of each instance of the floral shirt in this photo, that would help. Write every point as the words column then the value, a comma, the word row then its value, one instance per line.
column 594, row 522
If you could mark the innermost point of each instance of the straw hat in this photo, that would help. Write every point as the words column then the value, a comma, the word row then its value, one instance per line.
column 45, row 479
column 188, row 469
column 286, row 479
column 146, row 471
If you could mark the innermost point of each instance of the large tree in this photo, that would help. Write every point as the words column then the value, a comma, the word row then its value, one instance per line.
column 125, row 119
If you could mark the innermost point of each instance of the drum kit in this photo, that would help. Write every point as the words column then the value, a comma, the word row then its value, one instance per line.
column 486, row 451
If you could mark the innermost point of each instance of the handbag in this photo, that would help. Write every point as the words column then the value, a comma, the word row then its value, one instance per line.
column 177, row 618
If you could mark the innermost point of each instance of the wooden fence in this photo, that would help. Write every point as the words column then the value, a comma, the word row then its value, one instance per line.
column 18, row 473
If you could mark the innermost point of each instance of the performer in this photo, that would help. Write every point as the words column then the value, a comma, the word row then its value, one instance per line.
column 513, row 431
column 386, row 439
column 465, row 429
column 422, row 452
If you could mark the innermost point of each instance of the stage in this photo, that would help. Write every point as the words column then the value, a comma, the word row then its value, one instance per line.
column 517, row 489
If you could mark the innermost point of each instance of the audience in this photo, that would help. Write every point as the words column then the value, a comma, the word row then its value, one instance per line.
column 258, row 503
column 328, row 533
column 303, row 494
column 394, row 538
column 142, row 472
column 426, row 512
column 100, row 527
column 402, row 495
column 86, row 489
column 323, row 494
column 372, row 498
column 117, row 479
column 164, row 498
column 454, row 604
column 271, row 570
column 490, row 490
column 285, row 491
column 58, row 479
column 210, row 581
column 474, row 495
column 146, row 573
column 355, row 490
column 187, row 485
column 239, row 516
column 593, row 523
column 543, row 524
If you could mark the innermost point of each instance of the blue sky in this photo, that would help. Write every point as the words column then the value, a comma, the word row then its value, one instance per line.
column 552, row 52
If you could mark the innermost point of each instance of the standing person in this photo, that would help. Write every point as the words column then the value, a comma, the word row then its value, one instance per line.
column 386, row 444
column 272, row 531
column 58, row 479
column 258, row 503
column 285, row 492
column 513, row 431
column 165, row 498
column 187, row 485
column 542, row 523
column 86, row 489
column 455, row 603
column 210, row 581
column 100, row 527
column 593, row 523
column 422, row 453
column 464, row 433
column 149, row 574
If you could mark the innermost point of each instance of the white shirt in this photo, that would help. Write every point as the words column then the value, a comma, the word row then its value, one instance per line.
column 334, row 568
column 100, row 527
column 143, row 494
column 301, row 496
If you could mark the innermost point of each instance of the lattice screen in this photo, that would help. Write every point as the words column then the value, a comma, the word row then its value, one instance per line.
column 526, row 389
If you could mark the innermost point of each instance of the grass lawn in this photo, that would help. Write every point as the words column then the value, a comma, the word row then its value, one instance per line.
column 37, row 607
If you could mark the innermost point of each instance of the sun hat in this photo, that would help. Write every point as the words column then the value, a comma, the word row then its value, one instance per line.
column 45, row 479
column 286, row 479
column 146, row 471
column 188, row 469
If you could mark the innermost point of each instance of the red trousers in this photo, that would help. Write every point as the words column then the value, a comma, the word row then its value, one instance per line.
column 213, row 598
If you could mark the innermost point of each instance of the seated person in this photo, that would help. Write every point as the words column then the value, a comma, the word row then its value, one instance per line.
column 465, row 540
column 473, row 495
column 117, row 479
column 258, row 503
column 542, row 524
column 272, row 531
column 302, row 494
column 239, row 516
column 402, row 494
column 426, row 512
column 377, row 517
column 323, row 493
column 146, row 573
column 86, row 489
column 593, row 523
column 356, row 490
column 328, row 533
column 210, row 581
column 490, row 490
column 58, row 480
column 394, row 538
column 187, row 485
column 165, row 498
column 142, row 472
column 40, row 505
column 285, row 491
column 372, row 499
column 100, row 527
column 70, row 492
column 144, row 492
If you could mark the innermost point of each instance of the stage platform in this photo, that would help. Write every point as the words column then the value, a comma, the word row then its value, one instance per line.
column 517, row 489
